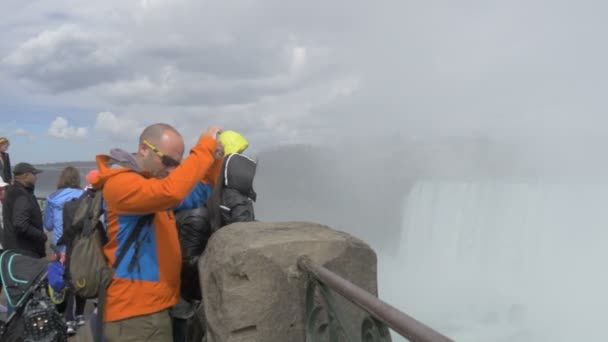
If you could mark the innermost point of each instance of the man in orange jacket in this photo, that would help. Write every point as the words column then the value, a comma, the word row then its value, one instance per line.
column 154, row 181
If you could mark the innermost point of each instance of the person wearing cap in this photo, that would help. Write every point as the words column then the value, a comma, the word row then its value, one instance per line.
column 5, row 161
column 22, row 215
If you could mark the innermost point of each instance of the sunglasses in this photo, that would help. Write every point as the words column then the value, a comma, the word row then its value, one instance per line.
column 165, row 159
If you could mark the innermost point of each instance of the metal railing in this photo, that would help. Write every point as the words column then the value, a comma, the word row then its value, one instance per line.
column 324, row 322
column 41, row 202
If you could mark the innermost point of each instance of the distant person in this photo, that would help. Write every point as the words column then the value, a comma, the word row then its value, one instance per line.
column 146, row 284
column 68, row 189
column 3, row 186
column 5, row 161
column 22, row 214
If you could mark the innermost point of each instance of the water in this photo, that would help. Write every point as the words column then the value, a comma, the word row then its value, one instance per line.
column 501, row 261
column 47, row 180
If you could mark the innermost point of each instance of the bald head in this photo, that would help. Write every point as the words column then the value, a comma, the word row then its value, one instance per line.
column 167, row 141
column 154, row 133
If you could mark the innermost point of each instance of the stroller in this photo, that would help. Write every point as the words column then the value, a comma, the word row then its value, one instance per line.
column 24, row 282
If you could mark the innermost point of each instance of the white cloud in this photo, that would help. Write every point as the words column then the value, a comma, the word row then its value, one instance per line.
column 180, row 62
column 14, row 133
column 60, row 128
column 169, row 54
column 66, row 58
column 121, row 128
column 21, row 132
column 42, row 46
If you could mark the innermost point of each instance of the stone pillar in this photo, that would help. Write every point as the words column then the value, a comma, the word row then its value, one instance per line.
column 253, row 289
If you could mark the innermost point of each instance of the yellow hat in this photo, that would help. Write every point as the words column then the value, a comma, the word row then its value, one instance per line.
column 233, row 142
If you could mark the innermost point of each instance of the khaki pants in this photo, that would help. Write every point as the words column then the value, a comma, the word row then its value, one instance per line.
column 150, row 328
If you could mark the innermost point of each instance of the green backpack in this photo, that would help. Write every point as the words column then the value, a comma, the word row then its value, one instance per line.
column 87, row 267
column 87, row 271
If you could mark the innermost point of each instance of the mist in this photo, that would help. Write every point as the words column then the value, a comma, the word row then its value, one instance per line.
column 479, row 253
column 472, row 160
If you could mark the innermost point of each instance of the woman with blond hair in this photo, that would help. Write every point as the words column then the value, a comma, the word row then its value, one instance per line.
column 5, row 161
column 68, row 188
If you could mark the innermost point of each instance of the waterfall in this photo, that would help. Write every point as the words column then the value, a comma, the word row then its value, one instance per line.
column 503, row 261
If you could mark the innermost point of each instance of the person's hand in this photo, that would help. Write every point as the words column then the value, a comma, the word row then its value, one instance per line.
column 219, row 150
column 212, row 132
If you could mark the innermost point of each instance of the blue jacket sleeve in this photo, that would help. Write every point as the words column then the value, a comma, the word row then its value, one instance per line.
column 47, row 217
column 197, row 198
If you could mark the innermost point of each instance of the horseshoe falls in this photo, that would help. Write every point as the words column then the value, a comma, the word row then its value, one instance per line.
column 502, row 260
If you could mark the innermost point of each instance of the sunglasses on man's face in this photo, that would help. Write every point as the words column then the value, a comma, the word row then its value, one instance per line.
column 165, row 159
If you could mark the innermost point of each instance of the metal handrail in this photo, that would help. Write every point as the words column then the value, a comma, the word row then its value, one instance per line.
column 401, row 323
column 41, row 202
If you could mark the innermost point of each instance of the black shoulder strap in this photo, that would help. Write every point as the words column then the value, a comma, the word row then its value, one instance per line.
column 141, row 222
column 102, row 291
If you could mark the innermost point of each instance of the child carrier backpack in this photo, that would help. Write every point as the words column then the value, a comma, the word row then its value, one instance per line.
column 237, row 197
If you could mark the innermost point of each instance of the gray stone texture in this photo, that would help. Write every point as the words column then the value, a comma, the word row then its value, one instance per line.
column 253, row 289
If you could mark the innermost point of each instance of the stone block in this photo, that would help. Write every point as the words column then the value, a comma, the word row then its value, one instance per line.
column 253, row 289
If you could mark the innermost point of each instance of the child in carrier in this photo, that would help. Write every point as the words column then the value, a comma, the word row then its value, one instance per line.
column 233, row 195
column 232, row 202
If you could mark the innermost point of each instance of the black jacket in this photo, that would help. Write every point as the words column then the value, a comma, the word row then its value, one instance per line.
column 5, row 167
column 23, row 221
column 236, row 207
column 194, row 233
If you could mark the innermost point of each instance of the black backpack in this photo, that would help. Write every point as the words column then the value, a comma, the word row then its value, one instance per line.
column 233, row 196
column 70, row 231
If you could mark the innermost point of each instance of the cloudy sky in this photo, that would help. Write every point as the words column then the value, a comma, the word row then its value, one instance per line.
column 77, row 78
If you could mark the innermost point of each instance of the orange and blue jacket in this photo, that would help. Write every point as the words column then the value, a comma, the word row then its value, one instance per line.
column 154, row 285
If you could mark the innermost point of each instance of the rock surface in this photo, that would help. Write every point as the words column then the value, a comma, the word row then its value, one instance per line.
column 253, row 289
